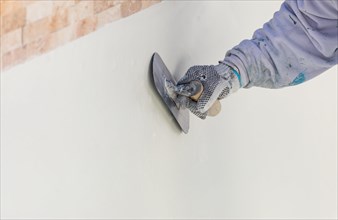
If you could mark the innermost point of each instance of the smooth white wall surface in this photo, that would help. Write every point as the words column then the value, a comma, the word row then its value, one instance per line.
column 84, row 135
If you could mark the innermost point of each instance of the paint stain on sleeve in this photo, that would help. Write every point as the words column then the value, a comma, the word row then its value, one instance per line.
column 298, row 80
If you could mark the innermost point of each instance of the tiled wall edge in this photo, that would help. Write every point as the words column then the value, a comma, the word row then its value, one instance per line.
column 32, row 27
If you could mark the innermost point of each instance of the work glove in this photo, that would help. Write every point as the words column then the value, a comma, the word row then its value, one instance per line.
column 218, row 82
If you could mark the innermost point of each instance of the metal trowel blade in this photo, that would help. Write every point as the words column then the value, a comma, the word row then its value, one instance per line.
column 161, row 77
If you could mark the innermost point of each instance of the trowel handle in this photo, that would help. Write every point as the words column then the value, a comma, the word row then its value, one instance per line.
column 215, row 109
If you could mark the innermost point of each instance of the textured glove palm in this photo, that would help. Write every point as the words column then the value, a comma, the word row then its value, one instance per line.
column 218, row 82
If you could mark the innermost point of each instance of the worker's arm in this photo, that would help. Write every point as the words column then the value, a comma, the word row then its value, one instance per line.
column 299, row 43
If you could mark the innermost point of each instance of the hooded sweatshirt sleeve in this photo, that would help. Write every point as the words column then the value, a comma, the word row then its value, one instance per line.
column 297, row 44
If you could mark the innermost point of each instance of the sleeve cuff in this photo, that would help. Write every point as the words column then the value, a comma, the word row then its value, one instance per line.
column 235, row 63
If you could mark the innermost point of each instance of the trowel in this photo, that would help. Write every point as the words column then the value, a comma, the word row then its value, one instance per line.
column 169, row 91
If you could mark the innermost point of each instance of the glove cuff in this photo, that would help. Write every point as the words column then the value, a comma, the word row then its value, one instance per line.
column 230, row 74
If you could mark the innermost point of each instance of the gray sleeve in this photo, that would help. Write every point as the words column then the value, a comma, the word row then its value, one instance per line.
column 297, row 44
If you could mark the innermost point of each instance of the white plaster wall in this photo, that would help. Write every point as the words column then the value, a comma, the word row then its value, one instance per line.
column 83, row 134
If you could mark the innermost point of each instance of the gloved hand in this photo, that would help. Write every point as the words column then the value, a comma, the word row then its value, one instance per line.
column 218, row 81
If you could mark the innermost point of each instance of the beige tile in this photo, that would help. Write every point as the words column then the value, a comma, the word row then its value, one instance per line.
column 58, row 38
column 101, row 5
column 36, row 30
column 85, row 26
column 11, row 41
column 79, row 11
column 13, row 57
column 118, row 2
column 59, row 19
column 9, row 6
column 35, row 48
column 130, row 7
column 13, row 20
column 109, row 15
column 63, row 3
column 39, row 10
column 148, row 3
